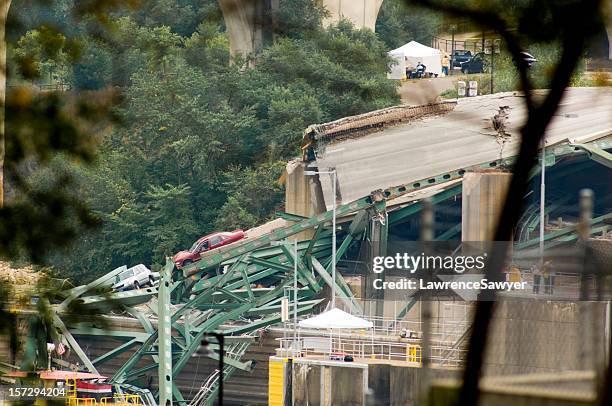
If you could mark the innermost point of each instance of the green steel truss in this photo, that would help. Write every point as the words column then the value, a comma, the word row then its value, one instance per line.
column 218, row 256
column 237, row 290
column 597, row 154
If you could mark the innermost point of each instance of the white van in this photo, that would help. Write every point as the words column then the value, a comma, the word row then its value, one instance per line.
column 135, row 277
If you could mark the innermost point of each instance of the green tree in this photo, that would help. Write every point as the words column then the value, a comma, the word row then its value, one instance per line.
column 209, row 135
column 207, row 48
column 181, row 16
column 42, row 51
column 298, row 18
column 47, row 135
column 253, row 195
column 169, row 220
column 398, row 23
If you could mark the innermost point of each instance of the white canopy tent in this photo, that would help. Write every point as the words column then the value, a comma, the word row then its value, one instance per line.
column 412, row 53
column 336, row 318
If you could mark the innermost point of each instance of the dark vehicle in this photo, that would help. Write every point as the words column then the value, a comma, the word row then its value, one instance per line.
column 460, row 56
column 476, row 64
column 341, row 356
column 206, row 243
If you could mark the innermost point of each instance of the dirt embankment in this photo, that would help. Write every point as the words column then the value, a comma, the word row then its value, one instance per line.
column 26, row 276
column 21, row 281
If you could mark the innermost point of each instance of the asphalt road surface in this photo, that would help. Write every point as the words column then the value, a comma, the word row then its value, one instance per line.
column 463, row 137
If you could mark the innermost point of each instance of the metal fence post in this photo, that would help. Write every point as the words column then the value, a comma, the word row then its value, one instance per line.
column 165, row 334
column 427, row 234
column 585, row 309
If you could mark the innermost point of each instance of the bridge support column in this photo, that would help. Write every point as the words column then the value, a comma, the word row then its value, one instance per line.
column 484, row 195
column 248, row 23
column 303, row 194
column 362, row 14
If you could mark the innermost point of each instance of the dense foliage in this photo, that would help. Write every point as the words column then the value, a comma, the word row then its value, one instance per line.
column 400, row 21
column 202, row 142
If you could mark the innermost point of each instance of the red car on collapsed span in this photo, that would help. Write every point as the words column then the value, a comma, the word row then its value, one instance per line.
column 206, row 243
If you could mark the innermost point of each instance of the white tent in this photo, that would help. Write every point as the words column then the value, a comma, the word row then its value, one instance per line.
column 413, row 53
column 335, row 318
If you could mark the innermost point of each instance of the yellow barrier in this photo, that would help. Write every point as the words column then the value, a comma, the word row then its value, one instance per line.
column 124, row 400
column 276, row 382
column 121, row 400
column 413, row 353
column 81, row 401
column 71, row 391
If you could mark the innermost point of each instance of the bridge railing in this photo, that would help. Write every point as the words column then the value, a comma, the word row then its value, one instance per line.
column 445, row 44
column 336, row 347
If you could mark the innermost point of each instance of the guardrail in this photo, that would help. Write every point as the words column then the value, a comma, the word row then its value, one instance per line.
column 445, row 44
column 121, row 400
column 390, row 338
column 116, row 400
column 316, row 135
column 449, row 323
column 446, row 333
column 47, row 87
column 334, row 347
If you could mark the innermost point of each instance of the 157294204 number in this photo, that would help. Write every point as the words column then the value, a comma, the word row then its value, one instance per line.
column 32, row 392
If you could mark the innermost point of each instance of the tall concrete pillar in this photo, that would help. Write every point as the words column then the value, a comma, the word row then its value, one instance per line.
column 303, row 194
column 362, row 13
column 248, row 24
column 483, row 198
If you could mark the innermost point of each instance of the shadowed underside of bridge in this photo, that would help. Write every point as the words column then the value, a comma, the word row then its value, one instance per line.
column 384, row 169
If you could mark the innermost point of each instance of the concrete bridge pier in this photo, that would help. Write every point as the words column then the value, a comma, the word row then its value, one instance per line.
column 484, row 195
column 362, row 13
column 250, row 25
column 303, row 194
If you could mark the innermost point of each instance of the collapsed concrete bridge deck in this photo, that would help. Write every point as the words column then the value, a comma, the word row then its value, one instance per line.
column 457, row 139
